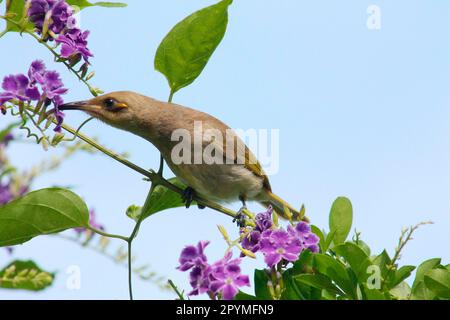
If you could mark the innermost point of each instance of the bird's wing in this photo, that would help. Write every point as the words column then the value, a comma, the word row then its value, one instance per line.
column 250, row 161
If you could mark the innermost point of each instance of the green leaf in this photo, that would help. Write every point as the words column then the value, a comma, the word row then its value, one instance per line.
column 356, row 258
column 25, row 275
column 242, row 296
column 163, row 198
column 364, row 246
column 261, row 289
column 304, row 264
column 7, row 130
column 341, row 217
column 401, row 292
column 319, row 281
column 110, row 4
column 328, row 240
column 400, row 275
column 336, row 271
column 291, row 290
column 41, row 212
column 421, row 292
column 321, row 236
column 187, row 48
column 423, row 268
column 438, row 281
column 373, row 294
column 383, row 261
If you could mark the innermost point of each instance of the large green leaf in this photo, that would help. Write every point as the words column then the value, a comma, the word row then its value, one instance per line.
column 341, row 217
column 336, row 271
column 187, row 48
column 319, row 281
column 358, row 260
column 161, row 199
column 25, row 275
column 41, row 212
column 423, row 268
column 261, row 289
column 15, row 11
column 438, row 281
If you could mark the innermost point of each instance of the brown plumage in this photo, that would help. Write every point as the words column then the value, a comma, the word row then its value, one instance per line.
column 240, row 176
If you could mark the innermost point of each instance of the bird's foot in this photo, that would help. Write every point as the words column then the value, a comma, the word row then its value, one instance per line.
column 241, row 218
column 188, row 197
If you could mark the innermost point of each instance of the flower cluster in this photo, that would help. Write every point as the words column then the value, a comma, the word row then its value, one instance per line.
column 54, row 19
column 9, row 190
column 40, row 85
column 276, row 244
column 220, row 279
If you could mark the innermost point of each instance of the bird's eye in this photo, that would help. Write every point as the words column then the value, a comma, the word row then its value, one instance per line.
column 109, row 103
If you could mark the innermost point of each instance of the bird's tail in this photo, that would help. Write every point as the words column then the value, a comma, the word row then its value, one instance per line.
column 279, row 205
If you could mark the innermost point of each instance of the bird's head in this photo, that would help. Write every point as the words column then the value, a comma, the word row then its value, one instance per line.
column 120, row 109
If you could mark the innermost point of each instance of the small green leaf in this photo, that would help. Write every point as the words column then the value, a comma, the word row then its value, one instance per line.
column 187, row 48
column 261, row 289
column 341, row 217
column 364, row 246
column 163, row 198
column 242, row 296
column 383, row 261
column 400, row 275
column 423, row 268
column 356, row 258
column 438, row 281
column 41, row 212
column 401, row 292
column 321, row 236
column 373, row 294
column 25, row 275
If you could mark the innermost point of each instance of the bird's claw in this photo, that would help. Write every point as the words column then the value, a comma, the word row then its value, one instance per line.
column 188, row 197
column 240, row 218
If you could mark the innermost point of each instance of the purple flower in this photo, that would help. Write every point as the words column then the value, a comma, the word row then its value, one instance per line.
column 25, row 88
column 307, row 238
column 74, row 45
column 251, row 242
column 18, row 87
column 192, row 256
column 57, row 13
column 5, row 194
column 199, row 278
column 9, row 250
column 221, row 278
column 226, row 277
column 264, row 220
column 6, row 140
column 278, row 245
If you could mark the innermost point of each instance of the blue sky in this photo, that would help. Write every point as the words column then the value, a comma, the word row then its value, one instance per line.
column 362, row 113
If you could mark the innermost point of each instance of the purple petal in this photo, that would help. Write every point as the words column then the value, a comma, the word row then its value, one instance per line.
column 229, row 292
column 242, row 281
column 272, row 259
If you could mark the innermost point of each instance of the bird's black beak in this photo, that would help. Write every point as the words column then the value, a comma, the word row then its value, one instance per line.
column 86, row 106
column 79, row 105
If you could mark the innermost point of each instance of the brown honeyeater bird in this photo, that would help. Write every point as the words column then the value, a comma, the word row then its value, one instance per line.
column 239, row 177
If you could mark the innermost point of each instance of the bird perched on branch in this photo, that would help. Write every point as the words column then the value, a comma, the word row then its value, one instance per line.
column 239, row 176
